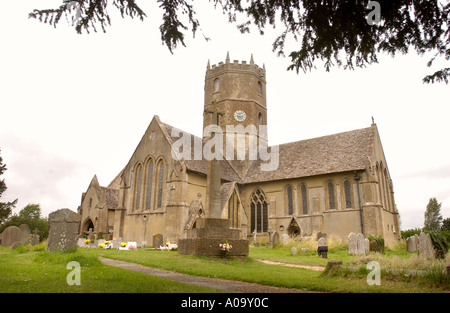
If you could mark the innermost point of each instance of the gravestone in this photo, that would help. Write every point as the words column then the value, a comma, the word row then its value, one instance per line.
column 10, row 235
column 275, row 239
column 158, row 240
column 285, row 238
column 366, row 246
column 322, row 241
column 81, row 242
column 425, row 248
column 294, row 251
column 63, row 233
column 35, row 238
column 321, row 235
column 352, row 243
column 411, row 244
column 25, row 233
column 360, row 244
column 116, row 242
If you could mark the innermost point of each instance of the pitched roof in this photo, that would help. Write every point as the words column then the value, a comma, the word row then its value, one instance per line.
column 199, row 166
column 335, row 153
column 340, row 152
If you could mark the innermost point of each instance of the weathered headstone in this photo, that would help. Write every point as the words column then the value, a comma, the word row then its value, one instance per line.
column 158, row 240
column 63, row 233
column 321, row 235
column 285, row 238
column 366, row 246
column 411, row 244
column 24, row 233
column 275, row 239
column 425, row 248
column 10, row 235
column 116, row 243
column 360, row 244
column 81, row 242
column 294, row 251
column 35, row 238
column 352, row 243
column 322, row 241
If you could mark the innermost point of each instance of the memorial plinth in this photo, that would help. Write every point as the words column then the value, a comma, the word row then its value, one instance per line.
column 208, row 233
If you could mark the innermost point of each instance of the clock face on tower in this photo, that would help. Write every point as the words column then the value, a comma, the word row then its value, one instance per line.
column 239, row 116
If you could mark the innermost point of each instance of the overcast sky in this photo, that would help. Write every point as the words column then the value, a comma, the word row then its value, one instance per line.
column 77, row 105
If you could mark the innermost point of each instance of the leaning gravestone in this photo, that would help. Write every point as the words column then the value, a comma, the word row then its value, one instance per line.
column 425, row 248
column 63, row 233
column 10, row 235
column 352, row 243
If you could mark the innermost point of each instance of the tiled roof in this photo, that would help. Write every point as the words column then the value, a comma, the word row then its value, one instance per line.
column 340, row 152
column 335, row 153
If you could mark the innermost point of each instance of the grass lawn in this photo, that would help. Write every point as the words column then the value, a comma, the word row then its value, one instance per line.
column 40, row 271
column 43, row 272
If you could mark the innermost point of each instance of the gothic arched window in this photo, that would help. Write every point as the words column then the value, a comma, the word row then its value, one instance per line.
column 348, row 197
column 137, row 187
column 148, row 196
column 258, row 212
column 160, row 183
column 233, row 210
column 304, row 200
column 331, row 201
column 259, row 88
column 290, row 202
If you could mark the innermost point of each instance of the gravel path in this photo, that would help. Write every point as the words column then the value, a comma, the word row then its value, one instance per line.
column 221, row 284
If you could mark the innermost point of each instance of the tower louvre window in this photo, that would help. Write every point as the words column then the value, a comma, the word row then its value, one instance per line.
column 216, row 85
column 259, row 88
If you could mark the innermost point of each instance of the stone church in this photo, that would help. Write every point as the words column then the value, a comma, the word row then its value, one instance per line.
column 335, row 184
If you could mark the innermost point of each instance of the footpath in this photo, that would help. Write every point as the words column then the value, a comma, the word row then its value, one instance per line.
column 216, row 283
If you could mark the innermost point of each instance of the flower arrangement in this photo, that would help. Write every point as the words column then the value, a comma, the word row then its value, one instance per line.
column 105, row 245
column 225, row 248
column 169, row 246
column 123, row 244
column 87, row 241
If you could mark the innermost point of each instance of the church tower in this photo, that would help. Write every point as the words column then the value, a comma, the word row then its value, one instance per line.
column 238, row 90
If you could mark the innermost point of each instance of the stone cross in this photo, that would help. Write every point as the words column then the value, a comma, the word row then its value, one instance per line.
column 213, row 196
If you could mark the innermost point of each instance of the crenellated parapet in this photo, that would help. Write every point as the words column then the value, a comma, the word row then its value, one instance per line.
column 236, row 66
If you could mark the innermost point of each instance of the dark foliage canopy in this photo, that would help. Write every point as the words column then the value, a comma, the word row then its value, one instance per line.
column 347, row 33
